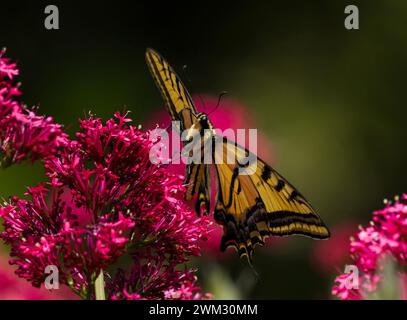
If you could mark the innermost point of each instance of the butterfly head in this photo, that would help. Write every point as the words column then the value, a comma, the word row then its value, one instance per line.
column 203, row 121
column 199, row 126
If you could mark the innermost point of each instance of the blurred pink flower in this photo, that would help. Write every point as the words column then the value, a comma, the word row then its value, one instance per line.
column 329, row 256
column 23, row 133
column 341, row 288
column 387, row 235
column 105, row 200
column 211, row 247
column 230, row 114
column 14, row 288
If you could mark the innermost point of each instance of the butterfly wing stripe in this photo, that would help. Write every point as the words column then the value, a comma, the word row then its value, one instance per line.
column 155, row 72
column 278, row 200
column 173, row 90
column 193, row 180
column 162, row 76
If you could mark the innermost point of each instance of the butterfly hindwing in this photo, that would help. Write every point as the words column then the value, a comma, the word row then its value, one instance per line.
column 253, row 207
column 194, row 178
column 204, row 193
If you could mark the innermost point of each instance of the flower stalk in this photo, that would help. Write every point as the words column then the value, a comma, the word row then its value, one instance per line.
column 100, row 287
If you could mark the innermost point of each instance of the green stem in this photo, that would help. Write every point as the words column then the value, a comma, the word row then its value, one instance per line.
column 100, row 287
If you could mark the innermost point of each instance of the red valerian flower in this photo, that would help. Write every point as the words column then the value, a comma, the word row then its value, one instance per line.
column 14, row 288
column 23, row 133
column 158, row 280
column 40, row 235
column 386, row 236
column 106, row 201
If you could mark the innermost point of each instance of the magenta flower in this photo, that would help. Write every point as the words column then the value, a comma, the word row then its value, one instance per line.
column 23, row 133
column 104, row 200
column 158, row 280
column 385, row 237
column 40, row 234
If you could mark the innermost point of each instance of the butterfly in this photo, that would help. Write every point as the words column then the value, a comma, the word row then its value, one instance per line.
column 249, row 207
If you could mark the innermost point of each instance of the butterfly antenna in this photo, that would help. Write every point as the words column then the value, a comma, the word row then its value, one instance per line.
column 218, row 103
column 202, row 101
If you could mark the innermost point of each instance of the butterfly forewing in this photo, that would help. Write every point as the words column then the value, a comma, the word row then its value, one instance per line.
column 177, row 98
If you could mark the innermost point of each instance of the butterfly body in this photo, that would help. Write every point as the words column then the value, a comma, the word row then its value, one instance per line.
column 253, row 200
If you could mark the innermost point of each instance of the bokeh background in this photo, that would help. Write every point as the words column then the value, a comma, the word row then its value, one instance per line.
column 328, row 102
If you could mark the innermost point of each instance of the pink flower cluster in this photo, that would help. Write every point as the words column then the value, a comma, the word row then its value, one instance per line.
column 159, row 280
column 23, row 133
column 15, row 288
column 385, row 236
column 104, row 200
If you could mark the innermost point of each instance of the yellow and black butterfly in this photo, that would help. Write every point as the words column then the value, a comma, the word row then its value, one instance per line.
column 249, row 207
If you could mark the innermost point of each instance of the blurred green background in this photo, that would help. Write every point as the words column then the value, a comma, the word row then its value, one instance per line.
column 330, row 101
